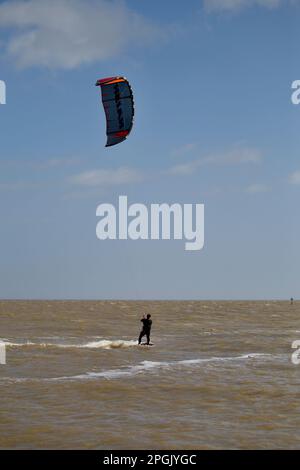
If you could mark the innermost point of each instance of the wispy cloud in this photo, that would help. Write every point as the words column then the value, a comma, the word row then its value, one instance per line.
column 53, row 163
column 185, row 168
column 294, row 178
column 257, row 188
column 107, row 177
column 236, row 5
column 184, row 149
column 236, row 156
column 68, row 33
column 19, row 186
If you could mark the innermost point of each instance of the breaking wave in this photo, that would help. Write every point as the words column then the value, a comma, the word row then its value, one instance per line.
column 150, row 365
column 101, row 344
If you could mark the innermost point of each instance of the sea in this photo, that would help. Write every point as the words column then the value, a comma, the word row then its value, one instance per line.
column 220, row 375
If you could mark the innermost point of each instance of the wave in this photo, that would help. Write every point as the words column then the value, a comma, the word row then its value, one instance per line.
column 147, row 366
column 143, row 367
column 101, row 344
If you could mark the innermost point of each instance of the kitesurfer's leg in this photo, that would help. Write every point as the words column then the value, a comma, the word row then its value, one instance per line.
column 148, row 337
column 141, row 335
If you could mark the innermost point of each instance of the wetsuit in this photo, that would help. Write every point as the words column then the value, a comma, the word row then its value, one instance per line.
column 147, row 323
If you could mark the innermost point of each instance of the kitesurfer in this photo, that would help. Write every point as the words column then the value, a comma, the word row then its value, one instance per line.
column 147, row 323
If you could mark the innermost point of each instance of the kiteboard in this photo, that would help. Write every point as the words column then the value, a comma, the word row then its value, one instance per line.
column 145, row 344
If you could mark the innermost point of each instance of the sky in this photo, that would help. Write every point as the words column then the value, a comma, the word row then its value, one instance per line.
column 214, row 125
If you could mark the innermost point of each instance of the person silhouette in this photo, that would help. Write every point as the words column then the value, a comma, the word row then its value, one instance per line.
column 147, row 324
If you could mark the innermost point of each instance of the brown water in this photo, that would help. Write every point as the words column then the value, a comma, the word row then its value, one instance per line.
column 218, row 376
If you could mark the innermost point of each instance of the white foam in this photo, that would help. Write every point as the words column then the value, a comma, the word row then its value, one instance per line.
column 146, row 366
column 101, row 344
column 108, row 344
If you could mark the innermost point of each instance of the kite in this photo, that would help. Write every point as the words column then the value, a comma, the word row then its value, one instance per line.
column 117, row 99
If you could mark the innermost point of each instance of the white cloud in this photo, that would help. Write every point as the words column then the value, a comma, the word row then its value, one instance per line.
column 236, row 156
column 184, row 168
column 294, row 178
column 183, row 150
column 235, row 5
column 240, row 155
column 257, row 188
column 68, row 33
column 104, row 177
column 19, row 186
column 55, row 162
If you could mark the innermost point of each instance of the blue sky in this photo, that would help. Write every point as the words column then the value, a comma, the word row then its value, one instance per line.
column 214, row 125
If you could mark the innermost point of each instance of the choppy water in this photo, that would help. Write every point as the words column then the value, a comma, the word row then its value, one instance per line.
column 218, row 376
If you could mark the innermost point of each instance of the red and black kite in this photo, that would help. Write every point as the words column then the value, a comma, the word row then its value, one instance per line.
column 117, row 99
